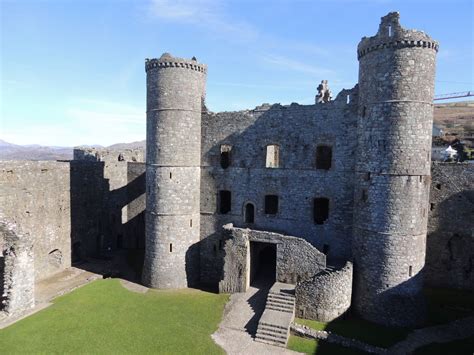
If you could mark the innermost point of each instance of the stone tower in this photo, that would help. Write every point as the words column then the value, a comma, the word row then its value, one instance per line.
column 175, row 95
column 396, row 88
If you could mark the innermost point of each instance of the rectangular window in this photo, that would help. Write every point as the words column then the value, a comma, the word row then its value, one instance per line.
column 273, row 156
column 225, row 201
column 323, row 157
column 225, row 155
column 320, row 210
column 271, row 204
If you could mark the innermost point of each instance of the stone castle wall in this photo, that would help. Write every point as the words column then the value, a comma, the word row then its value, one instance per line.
column 36, row 197
column 450, row 241
column 297, row 130
column 326, row 296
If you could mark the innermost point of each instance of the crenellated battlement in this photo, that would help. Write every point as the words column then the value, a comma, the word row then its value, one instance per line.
column 397, row 44
column 167, row 61
column 392, row 35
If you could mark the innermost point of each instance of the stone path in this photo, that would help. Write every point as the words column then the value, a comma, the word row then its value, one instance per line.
column 239, row 324
column 134, row 287
column 458, row 329
column 62, row 283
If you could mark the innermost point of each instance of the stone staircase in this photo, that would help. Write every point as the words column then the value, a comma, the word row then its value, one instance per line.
column 274, row 325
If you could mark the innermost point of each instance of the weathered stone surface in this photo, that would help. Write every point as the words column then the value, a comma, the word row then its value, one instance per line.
column 450, row 241
column 17, row 272
column 396, row 86
column 296, row 259
column 326, row 296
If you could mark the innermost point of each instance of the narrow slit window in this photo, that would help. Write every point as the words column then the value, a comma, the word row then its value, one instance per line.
column 271, row 204
column 225, row 156
column 225, row 201
column 323, row 157
column 273, row 156
column 171, row 247
column 171, row 175
column 320, row 210
column 410, row 271
column 348, row 99
column 190, row 222
column 389, row 30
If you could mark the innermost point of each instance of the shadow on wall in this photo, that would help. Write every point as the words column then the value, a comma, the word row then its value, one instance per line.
column 235, row 157
column 108, row 226
column 450, row 241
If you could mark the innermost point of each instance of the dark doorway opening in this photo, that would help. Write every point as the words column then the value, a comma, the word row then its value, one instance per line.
column 262, row 263
column 249, row 213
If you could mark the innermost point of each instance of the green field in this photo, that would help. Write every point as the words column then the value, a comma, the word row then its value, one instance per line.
column 105, row 318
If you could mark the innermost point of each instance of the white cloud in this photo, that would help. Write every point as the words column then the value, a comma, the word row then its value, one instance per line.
column 208, row 14
column 295, row 65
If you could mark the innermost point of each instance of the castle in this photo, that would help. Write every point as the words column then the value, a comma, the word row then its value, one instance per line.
column 351, row 177
column 332, row 198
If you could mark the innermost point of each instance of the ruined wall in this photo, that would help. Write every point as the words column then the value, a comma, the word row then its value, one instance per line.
column 297, row 130
column 326, row 296
column 450, row 242
column 35, row 195
column 108, row 199
column 17, row 274
column 296, row 259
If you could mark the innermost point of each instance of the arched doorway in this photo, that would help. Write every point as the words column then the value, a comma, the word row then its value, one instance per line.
column 249, row 213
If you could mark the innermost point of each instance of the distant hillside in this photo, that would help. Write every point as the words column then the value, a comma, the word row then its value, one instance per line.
column 9, row 151
column 455, row 119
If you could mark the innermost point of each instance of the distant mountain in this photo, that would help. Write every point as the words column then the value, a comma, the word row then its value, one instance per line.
column 10, row 151
column 133, row 145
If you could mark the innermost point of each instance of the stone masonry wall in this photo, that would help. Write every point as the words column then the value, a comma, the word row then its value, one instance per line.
column 326, row 296
column 296, row 259
column 297, row 130
column 450, row 241
column 35, row 195
column 17, row 273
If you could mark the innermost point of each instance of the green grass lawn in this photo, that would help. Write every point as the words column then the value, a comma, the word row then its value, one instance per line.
column 311, row 346
column 105, row 318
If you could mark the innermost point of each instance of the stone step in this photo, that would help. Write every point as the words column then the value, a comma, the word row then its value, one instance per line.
column 280, row 309
column 273, row 325
column 274, row 340
column 275, row 336
column 282, row 296
column 274, row 330
column 280, row 301
column 278, row 304
column 269, row 342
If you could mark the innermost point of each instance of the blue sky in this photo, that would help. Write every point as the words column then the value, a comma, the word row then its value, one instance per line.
column 72, row 72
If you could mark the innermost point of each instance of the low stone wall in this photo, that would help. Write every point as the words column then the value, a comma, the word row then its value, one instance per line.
column 326, row 296
column 17, row 270
column 296, row 259
column 307, row 332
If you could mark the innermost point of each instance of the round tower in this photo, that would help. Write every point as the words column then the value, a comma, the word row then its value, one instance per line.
column 396, row 88
column 175, row 95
